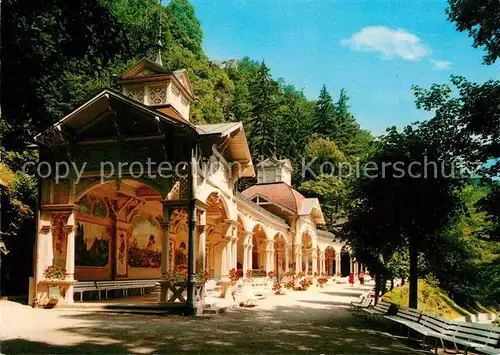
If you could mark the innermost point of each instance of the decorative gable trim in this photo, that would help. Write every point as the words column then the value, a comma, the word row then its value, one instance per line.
column 145, row 67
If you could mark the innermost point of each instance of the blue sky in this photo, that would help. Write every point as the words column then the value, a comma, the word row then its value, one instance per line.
column 374, row 49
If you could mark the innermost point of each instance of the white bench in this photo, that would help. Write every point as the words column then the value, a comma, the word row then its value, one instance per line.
column 211, row 288
column 84, row 286
column 123, row 285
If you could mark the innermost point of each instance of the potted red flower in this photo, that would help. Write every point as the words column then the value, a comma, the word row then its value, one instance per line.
column 322, row 281
column 304, row 284
column 277, row 288
column 54, row 273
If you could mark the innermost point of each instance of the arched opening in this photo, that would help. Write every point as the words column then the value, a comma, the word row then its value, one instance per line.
column 216, row 241
column 330, row 261
column 307, row 250
column 259, row 241
column 119, row 233
column 279, row 262
column 345, row 262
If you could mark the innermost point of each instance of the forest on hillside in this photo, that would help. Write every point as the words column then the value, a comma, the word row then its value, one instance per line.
column 57, row 54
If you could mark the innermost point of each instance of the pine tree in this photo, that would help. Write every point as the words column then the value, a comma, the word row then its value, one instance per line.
column 324, row 118
column 346, row 126
column 262, row 125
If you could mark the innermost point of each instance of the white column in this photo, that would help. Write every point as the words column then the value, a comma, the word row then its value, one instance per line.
column 273, row 261
column 229, row 248
column 70, row 248
column 338, row 270
column 267, row 259
column 314, row 261
column 250, row 256
column 229, row 257
column 223, row 261
column 298, row 263
column 234, row 252
column 245, row 258
column 286, row 258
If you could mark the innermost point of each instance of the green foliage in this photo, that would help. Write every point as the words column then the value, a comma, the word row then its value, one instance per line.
column 75, row 51
column 324, row 118
column 463, row 259
column 480, row 19
column 331, row 192
column 431, row 299
column 18, row 201
column 392, row 208
column 399, row 264
column 262, row 125
column 41, row 40
column 469, row 126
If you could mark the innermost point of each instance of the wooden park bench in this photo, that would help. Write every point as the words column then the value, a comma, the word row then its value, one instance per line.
column 378, row 311
column 408, row 317
column 483, row 338
column 364, row 301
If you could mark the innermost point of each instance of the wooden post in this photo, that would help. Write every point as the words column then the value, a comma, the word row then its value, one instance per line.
column 192, row 177
column 165, row 262
column 202, row 241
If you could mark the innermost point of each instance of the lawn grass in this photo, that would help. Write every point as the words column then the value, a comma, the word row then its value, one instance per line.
column 432, row 300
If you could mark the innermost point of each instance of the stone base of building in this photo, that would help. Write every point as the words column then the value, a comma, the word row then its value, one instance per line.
column 54, row 293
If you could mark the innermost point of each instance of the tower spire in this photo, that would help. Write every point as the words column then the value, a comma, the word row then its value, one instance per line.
column 159, row 44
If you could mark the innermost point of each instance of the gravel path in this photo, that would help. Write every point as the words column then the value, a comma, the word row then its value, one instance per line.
column 316, row 321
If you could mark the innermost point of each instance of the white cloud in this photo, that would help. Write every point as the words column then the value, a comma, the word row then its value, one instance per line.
column 441, row 64
column 391, row 43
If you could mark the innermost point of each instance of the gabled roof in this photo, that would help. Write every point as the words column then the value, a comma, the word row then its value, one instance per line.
column 234, row 137
column 144, row 67
column 147, row 70
column 218, row 128
column 272, row 161
column 102, row 104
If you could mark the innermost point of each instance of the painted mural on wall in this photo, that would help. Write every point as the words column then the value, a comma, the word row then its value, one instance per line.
column 92, row 244
column 59, row 238
column 145, row 247
column 121, row 253
column 181, row 257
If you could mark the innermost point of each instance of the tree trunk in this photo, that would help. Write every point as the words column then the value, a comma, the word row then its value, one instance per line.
column 402, row 280
column 413, row 280
column 377, row 287
column 383, row 285
column 392, row 284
